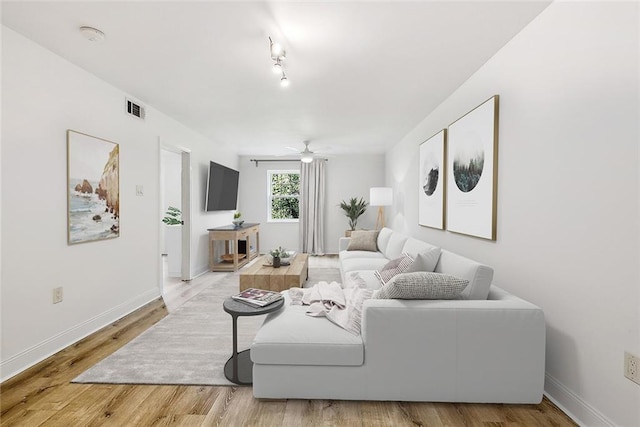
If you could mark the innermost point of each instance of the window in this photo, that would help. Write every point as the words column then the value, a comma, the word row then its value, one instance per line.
column 283, row 196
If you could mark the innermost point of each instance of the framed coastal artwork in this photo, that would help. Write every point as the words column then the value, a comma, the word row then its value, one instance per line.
column 431, row 191
column 472, row 171
column 93, row 188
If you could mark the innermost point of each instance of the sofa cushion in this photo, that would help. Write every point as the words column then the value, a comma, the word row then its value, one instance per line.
column 478, row 275
column 290, row 337
column 383, row 239
column 395, row 245
column 422, row 285
column 425, row 261
column 363, row 240
column 394, row 267
column 363, row 264
column 359, row 254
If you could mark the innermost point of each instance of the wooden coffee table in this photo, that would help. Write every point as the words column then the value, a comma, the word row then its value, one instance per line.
column 261, row 276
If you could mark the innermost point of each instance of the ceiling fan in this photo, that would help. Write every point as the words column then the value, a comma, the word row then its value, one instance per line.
column 306, row 156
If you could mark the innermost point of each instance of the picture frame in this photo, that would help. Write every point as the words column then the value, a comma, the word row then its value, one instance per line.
column 472, row 171
column 432, row 182
column 93, row 188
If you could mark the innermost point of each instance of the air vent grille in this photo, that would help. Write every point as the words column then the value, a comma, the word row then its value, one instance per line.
column 134, row 109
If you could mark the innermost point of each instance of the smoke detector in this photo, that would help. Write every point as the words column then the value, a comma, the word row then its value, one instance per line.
column 92, row 34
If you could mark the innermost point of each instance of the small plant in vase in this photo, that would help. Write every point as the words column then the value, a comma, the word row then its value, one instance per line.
column 236, row 219
column 277, row 254
column 353, row 210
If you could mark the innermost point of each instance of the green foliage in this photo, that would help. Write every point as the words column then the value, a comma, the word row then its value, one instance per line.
column 278, row 253
column 172, row 216
column 353, row 210
column 285, row 184
column 237, row 215
column 285, row 208
column 285, row 188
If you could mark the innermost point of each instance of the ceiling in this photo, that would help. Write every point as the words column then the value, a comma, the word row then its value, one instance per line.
column 363, row 74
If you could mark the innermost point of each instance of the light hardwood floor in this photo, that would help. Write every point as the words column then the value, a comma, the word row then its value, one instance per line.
column 43, row 395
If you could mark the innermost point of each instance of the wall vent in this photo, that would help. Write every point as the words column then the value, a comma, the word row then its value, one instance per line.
column 134, row 109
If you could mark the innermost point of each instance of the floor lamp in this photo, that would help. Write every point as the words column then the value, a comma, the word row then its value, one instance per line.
column 381, row 197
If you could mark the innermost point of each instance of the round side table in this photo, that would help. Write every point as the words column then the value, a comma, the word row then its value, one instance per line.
column 239, row 367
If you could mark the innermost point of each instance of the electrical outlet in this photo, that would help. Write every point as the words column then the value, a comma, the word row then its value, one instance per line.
column 57, row 295
column 632, row 367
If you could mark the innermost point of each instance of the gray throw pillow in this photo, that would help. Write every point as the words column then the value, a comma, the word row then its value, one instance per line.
column 393, row 268
column 423, row 285
column 363, row 240
column 425, row 261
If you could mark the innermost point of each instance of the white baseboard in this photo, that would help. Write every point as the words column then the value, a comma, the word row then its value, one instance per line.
column 200, row 271
column 573, row 405
column 29, row 357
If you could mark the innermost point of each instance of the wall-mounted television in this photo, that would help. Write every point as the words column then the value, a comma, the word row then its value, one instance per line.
column 222, row 188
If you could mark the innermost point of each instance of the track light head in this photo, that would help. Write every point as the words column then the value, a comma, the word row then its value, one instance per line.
column 284, row 81
column 277, row 51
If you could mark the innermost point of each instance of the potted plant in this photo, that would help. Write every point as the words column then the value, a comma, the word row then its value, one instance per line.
column 353, row 209
column 276, row 254
column 172, row 216
column 236, row 219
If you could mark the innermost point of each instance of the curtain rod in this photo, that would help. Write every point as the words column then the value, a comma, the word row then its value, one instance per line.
column 280, row 160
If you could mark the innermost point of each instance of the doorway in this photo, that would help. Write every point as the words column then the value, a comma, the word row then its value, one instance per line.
column 175, row 240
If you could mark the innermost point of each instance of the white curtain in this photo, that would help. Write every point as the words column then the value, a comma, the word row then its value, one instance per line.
column 312, row 207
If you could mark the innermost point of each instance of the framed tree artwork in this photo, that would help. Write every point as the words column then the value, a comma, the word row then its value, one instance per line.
column 472, row 171
column 431, row 191
column 93, row 188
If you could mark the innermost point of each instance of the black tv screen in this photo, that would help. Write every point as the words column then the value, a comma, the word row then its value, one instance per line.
column 222, row 188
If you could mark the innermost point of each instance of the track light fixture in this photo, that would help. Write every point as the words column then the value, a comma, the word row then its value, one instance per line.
column 277, row 55
column 277, row 67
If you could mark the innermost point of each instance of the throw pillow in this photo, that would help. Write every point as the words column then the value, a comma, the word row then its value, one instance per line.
column 425, row 261
column 393, row 268
column 363, row 240
column 423, row 285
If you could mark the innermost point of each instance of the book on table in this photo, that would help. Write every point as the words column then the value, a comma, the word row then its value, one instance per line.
column 257, row 297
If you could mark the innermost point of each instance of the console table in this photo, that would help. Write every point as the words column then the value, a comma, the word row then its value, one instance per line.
column 234, row 238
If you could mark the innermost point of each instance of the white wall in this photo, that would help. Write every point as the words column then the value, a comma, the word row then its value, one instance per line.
column 346, row 176
column 567, row 194
column 1, row 271
column 43, row 95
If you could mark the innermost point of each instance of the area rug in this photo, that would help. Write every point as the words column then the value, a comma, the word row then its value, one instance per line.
column 189, row 346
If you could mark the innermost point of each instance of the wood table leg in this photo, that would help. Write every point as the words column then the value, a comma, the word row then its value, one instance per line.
column 235, row 255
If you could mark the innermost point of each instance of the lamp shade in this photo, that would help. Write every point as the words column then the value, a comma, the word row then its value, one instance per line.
column 380, row 196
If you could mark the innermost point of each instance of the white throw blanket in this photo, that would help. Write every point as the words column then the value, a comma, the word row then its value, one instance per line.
column 341, row 306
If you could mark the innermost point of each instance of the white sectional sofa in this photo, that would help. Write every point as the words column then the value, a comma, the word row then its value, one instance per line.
column 488, row 346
